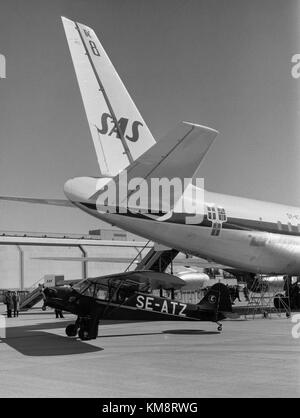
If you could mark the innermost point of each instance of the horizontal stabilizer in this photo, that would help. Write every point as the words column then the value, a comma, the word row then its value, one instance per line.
column 231, row 315
column 175, row 158
column 178, row 154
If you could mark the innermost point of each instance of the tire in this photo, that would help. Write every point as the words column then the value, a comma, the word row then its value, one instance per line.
column 83, row 334
column 71, row 330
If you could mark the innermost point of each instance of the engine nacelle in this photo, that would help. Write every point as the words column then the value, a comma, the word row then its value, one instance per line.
column 194, row 280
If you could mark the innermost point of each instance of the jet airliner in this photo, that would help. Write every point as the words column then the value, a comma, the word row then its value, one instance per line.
column 246, row 234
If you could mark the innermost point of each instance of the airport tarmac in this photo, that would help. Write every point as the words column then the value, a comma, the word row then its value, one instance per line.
column 250, row 358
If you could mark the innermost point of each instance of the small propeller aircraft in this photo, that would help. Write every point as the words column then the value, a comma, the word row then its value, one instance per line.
column 127, row 296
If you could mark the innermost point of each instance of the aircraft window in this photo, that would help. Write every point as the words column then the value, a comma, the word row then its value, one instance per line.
column 101, row 292
column 80, row 287
column 144, row 287
column 88, row 291
column 85, row 288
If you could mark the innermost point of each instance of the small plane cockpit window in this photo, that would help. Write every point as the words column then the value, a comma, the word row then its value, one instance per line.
column 84, row 288
column 101, row 292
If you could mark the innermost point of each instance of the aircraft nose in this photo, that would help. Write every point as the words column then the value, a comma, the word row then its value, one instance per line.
column 50, row 292
column 57, row 292
column 80, row 189
column 56, row 296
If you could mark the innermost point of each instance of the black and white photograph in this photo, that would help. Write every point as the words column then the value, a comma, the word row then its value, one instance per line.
column 149, row 202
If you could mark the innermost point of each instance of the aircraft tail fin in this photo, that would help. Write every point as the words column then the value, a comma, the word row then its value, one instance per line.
column 217, row 299
column 119, row 133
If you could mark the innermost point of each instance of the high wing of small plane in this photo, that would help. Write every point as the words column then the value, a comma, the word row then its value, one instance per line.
column 144, row 278
column 127, row 296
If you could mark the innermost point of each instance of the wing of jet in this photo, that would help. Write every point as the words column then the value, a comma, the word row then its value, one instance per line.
column 187, row 262
column 88, row 259
column 53, row 202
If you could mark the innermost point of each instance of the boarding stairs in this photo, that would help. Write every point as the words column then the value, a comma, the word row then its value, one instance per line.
column 263, row 302
column 157, row 259
column 33, row 297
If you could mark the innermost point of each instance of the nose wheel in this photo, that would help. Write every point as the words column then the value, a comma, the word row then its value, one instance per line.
column 220, row 327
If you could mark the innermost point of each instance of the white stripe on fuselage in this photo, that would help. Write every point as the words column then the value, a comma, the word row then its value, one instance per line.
column 243, row 208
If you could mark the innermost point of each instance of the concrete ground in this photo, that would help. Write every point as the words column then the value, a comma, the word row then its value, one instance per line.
column 250, row 358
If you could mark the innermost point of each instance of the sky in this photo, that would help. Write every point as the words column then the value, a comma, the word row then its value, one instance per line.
column 221, row 63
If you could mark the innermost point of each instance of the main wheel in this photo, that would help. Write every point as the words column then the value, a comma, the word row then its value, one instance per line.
column 220, row 327
column 71, row 330
column 83, row 334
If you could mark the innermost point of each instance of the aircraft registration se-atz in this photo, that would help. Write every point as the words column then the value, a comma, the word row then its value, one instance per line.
column 163, row 306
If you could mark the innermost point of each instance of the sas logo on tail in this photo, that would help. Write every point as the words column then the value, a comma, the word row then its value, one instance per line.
column 109, row 126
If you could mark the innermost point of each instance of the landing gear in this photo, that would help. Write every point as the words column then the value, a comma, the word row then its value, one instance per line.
column 81, row 327
column 71, row 330
column 83, row 334
column 220, row 326
column 86, row 326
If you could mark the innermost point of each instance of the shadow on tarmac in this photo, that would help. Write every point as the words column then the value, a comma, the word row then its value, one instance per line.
column 130, row 335
column 34, row 340
column 190, row 332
